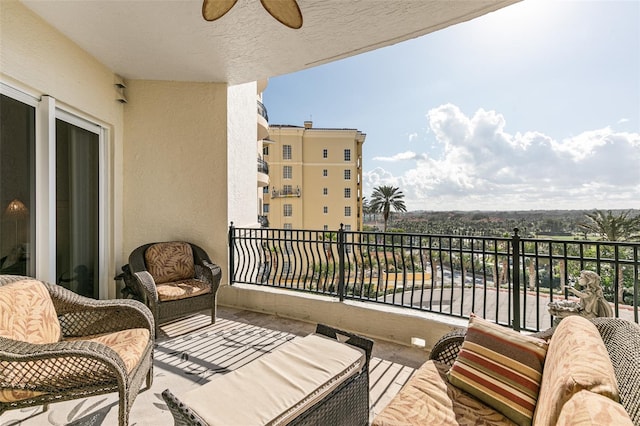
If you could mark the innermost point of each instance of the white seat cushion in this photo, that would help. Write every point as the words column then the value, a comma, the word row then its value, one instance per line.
column 278, row 386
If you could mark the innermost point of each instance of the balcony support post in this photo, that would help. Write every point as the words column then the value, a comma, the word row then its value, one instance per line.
column 231, row 253
column 515, row 241
column 341, row 290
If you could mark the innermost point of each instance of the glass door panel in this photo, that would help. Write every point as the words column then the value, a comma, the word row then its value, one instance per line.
column 77, row 209
column 17, row 178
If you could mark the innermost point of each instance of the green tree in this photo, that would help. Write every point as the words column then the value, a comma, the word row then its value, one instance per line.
column 611, row 227
column 387, row 198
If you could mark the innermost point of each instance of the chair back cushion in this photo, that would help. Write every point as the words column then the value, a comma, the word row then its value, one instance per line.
column 27, row 313
column 170, row 261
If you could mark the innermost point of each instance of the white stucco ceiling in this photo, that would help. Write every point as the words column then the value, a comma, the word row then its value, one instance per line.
column 169, row 39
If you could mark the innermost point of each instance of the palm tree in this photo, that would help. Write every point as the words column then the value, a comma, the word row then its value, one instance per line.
column 385, row 198
column 612, row 227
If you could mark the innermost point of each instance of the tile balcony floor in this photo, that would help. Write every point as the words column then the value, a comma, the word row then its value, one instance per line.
column 191, row 352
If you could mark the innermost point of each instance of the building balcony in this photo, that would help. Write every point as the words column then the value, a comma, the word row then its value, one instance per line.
column 402, row 290
column 263, row 173
column 263, row 122
column 286, row 192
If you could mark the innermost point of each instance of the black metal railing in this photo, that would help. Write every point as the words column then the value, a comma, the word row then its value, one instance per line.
column 263, row 166
column 509, row 280
column 286, row 191
column 262, row 110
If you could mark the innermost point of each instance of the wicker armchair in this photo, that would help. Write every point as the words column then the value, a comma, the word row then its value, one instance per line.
column 174, row 279
column 57, row 345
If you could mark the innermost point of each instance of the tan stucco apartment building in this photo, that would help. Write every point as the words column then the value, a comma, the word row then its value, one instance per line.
column 315, row 177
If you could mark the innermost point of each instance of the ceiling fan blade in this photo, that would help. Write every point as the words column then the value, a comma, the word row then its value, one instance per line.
column 214, row 9
column 285, row 11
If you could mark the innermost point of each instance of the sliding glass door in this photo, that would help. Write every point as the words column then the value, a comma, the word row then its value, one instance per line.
column 17, row 182
column 77, row 208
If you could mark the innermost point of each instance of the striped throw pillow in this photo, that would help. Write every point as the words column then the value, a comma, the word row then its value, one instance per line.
column 500, row 367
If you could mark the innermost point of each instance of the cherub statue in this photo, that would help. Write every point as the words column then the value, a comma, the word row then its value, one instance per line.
column 592, row 303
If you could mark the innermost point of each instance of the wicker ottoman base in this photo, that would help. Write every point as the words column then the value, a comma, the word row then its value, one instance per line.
column 346, row 404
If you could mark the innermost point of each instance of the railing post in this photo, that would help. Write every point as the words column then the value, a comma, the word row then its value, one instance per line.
column 341, row 262
column 515, row 241
column 231, row 251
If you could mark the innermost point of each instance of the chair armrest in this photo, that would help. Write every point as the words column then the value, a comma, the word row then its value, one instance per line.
column 447, row 347
column 55, row 366
column 82, row 316
column 146, row 285
column 211, row 273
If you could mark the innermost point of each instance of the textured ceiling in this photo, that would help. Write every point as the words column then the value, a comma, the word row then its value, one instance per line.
column 169, row 40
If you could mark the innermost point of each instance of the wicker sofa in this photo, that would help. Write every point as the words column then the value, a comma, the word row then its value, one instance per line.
column 319, row 379
column 56, row 345
column 590, row 376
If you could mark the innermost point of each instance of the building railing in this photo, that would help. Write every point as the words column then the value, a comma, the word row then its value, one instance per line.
column 508, row 280
column 263, row 166
column 286, row 192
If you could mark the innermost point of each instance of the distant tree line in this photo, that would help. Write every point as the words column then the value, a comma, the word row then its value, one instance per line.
column 609, row 225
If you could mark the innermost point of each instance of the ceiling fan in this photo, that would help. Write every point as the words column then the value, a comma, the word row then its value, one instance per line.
column 286, row 12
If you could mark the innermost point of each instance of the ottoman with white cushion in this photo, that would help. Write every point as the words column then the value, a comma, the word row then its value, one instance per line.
column 316, row 379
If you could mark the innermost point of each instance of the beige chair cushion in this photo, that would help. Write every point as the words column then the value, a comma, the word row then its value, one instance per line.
column 429, row 399
column 27, row 313
column 591, row 409
column 276, row 387
column 577, row 359
column 170, row 261
column 128, row 344
column 182, row 289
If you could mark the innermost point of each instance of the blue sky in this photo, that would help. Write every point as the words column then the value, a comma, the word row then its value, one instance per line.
column 534, row 106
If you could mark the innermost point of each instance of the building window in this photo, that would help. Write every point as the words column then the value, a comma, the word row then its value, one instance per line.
column 347, row 211
column 347, row 193
column 325, row 172
column 325, row 210
column 287, row 226
column 265, row 150
column 347, row 227
column 286, row 152
column 325, row 191
column 347, row 155
column 325, row 228
column 287, row 172
column 287, row 190
column 265, row 208
column 265, row 189
column 287, row 210
column 347, row 174
column 325, row 153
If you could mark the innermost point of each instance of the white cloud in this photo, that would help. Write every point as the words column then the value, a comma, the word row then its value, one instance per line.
column 401, row 156
column 481, row 166
column 412, row 136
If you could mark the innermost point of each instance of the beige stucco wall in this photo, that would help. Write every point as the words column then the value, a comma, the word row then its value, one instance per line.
column 175, row 162
column 37, row 59
column 393, row 324
column 242, row 161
